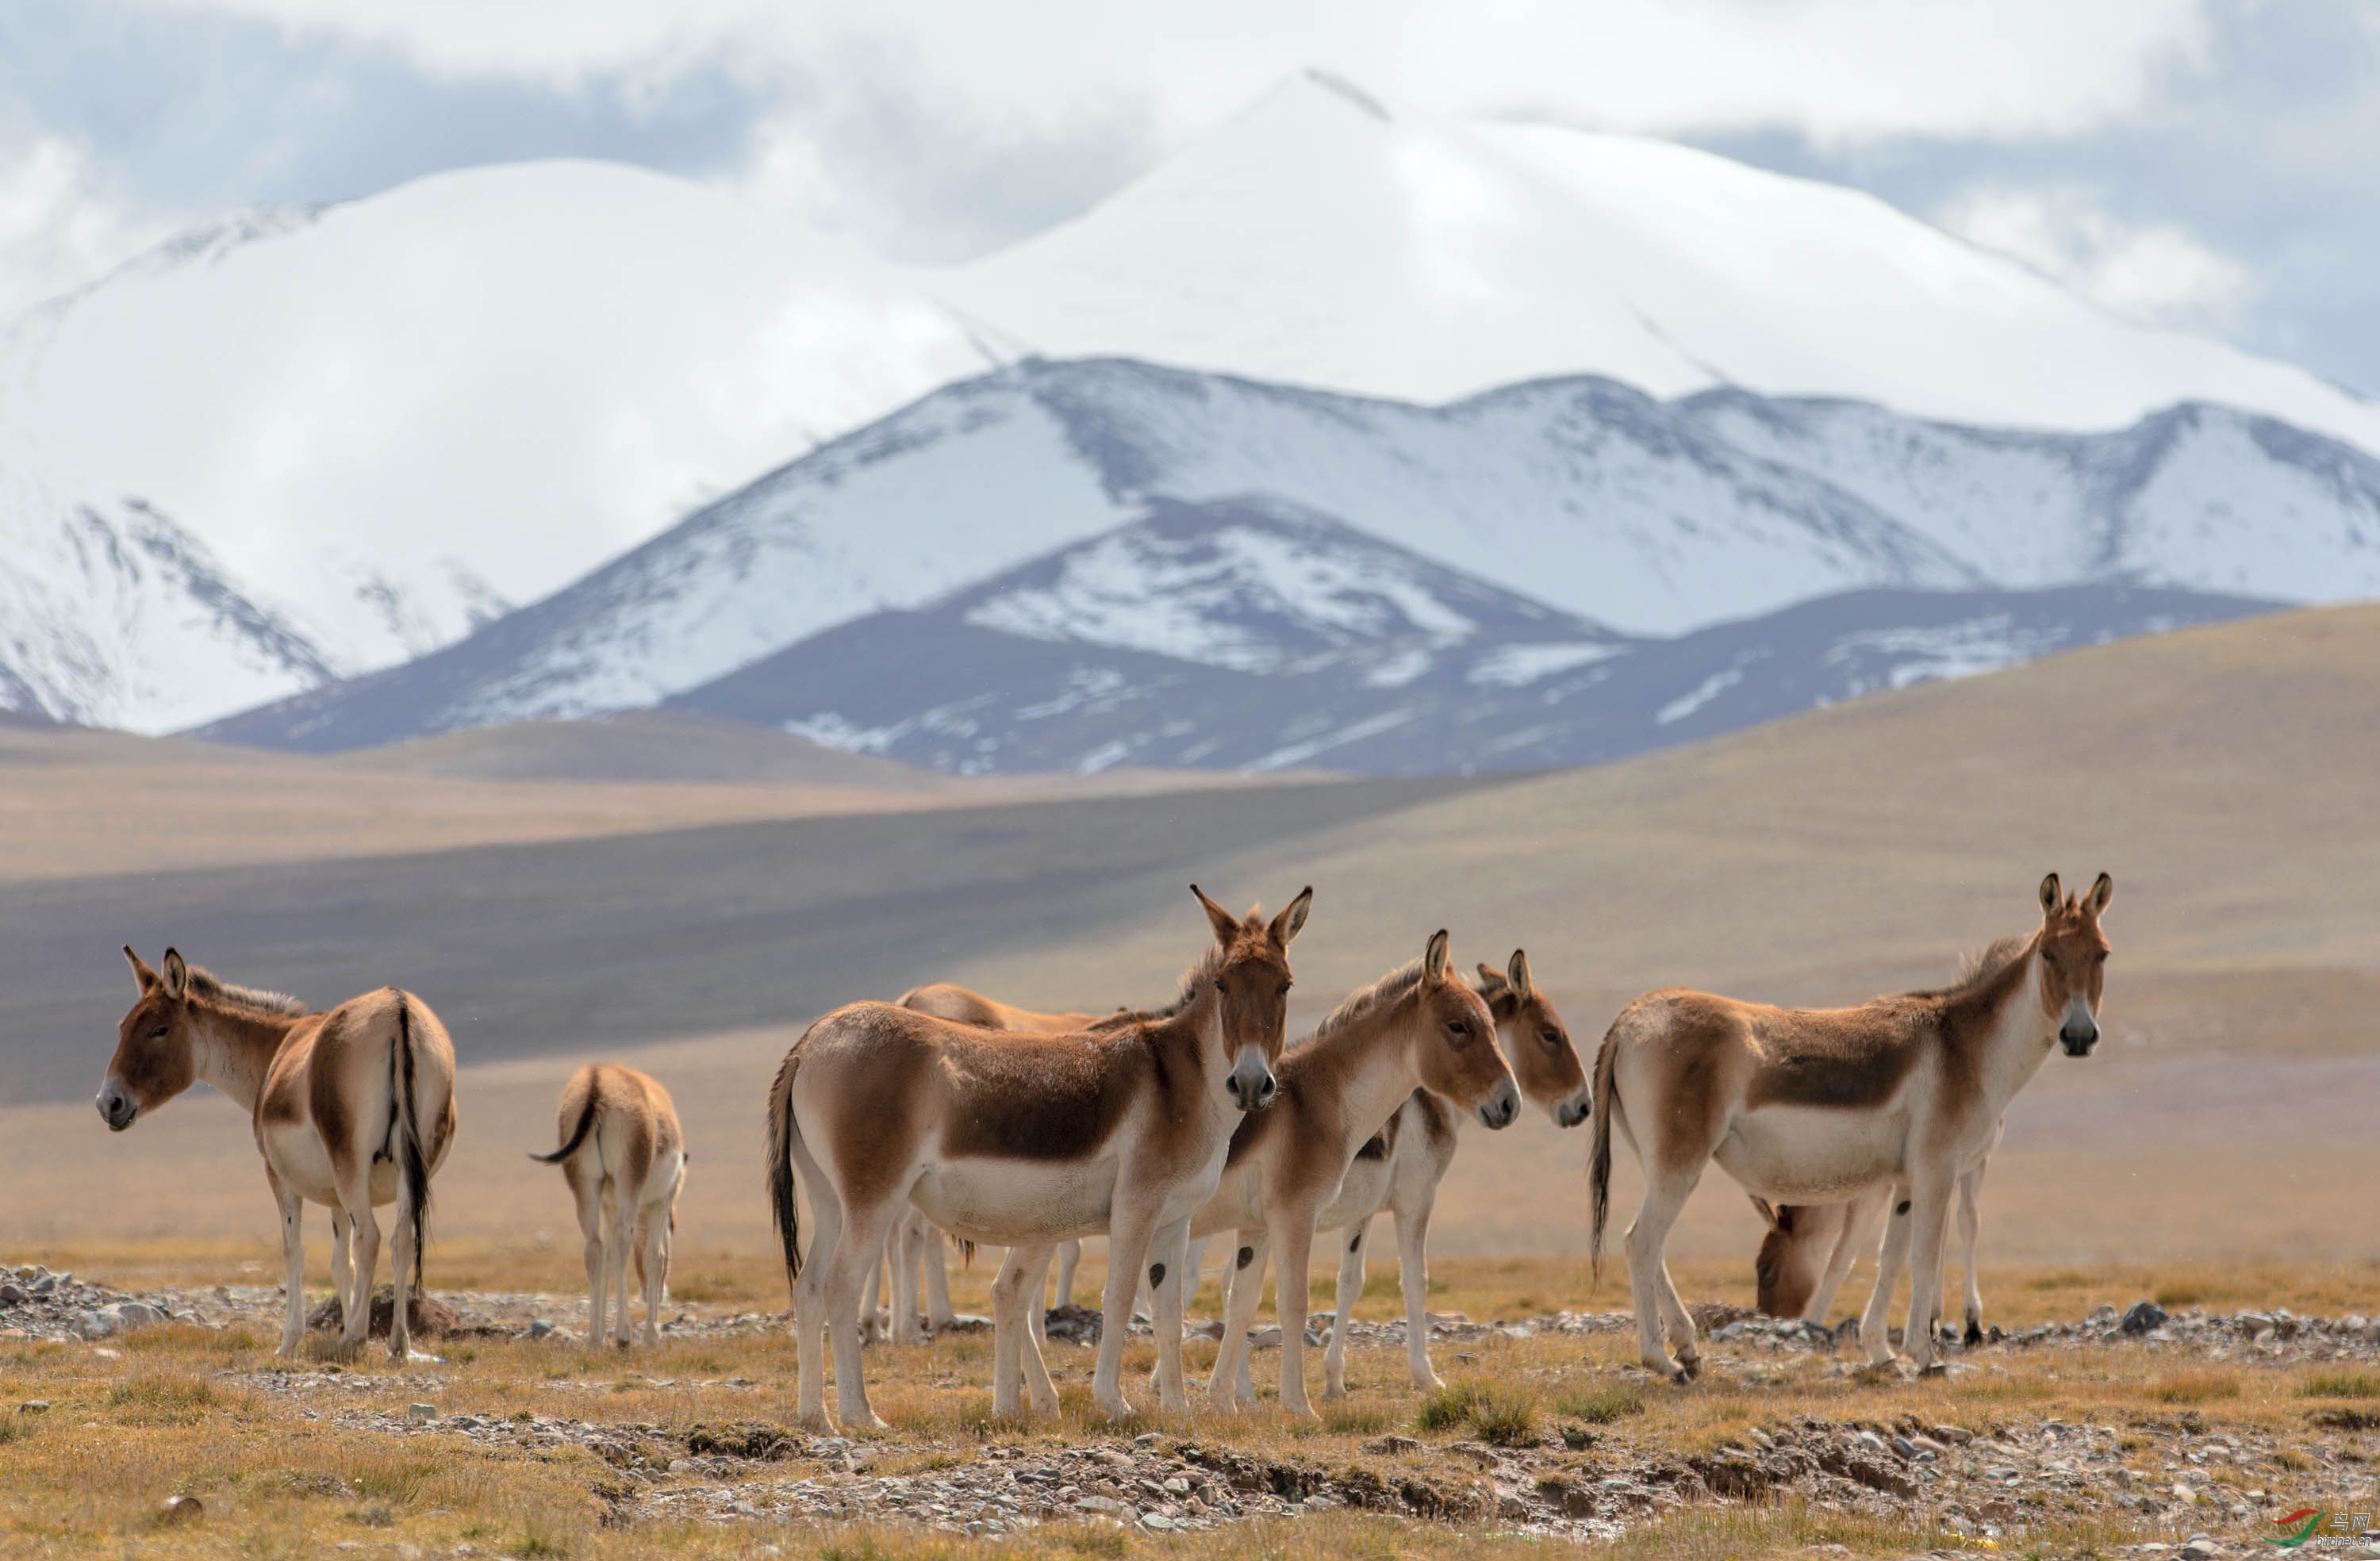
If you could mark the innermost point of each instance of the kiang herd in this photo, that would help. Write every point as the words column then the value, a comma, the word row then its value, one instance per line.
column 950, row 1116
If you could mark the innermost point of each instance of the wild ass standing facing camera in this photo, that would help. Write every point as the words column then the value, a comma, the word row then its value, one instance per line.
column 1416, row 1028
column 353, row 1109
column 1806, row 1106
column 1015, row 1139
column 624, row 1156
column 1399, row 1168
column 1810, row 1248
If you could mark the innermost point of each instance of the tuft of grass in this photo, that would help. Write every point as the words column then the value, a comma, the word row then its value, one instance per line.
column 2340, row 1385
column 2181, row 1294
column 1500, row 1413
column 2196, row 1387
column 1600, row 1406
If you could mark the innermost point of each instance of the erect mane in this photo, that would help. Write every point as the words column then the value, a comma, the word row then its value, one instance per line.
column 214, row 989
column 1364, row 999
column 1982, row 968
column 1203, row 969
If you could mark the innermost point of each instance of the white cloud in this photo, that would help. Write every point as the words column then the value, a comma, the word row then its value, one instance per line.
column 1837, row 70
column 58, row 230
column 2150, row 272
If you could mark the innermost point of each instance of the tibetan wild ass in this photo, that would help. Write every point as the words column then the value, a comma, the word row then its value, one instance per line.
column 1807, row 1106
column 624, row 1157
column 353, row 1109
column 1009, row 1138
column 1810, row 1249
column 1419, row 1027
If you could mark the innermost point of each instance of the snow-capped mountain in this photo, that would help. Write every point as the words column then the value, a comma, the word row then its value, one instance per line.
column 1323, row 237
column 1438, row 671
column 1644, row 517
column 389, row 419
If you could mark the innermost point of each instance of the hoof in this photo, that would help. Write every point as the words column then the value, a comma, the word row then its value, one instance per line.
column 1689, row 1367
column 1975, row 1333
column 1933, row 1368
column 817, row 1424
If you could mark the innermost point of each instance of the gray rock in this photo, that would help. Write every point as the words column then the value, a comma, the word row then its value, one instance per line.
column 2143, row 1316
column 421, row 1411
column 539, row 1327
column 11, row 1293
column 98, row 1325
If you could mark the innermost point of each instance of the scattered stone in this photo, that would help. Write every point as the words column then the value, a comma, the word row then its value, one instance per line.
column 426, row 1316
column 540, row 1328
column 181, row 1509
column 32, row 1406
column 421, row 1411
column 2143, row 1316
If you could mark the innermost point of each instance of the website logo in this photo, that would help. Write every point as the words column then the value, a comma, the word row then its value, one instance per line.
column 2298, row 1528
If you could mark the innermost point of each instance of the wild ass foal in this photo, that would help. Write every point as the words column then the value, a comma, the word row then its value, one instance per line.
column 1399, row 1168
column 1417, row 1028
column 1810, row 1248
column 1020, row 1139
column 353, row 1109
column 624, row 1156
column 1813, row 1104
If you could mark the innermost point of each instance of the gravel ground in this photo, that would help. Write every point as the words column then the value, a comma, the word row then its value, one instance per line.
column 1576, row 1481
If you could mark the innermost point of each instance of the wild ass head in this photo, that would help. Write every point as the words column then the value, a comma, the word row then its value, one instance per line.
column 1536, row 1043
column 2073, row 954
column 156, row 1058
column 1251, row 989
column 1456, row 1031
column 1793, row 1253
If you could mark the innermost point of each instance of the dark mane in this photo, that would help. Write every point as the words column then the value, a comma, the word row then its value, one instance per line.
column 255, row 999
column 1202, row 970
column 1364, row 999
column 1979, row 970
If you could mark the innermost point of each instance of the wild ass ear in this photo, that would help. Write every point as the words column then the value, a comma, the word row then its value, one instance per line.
column 176, row 975
column 2102, row 890
column 1519, row 971
column 1226, row 925
column 1437, row 964
column 1292, row 916
column 2050, row 895
column 140, row 971
column 1491, row 981
column 1765, row 1210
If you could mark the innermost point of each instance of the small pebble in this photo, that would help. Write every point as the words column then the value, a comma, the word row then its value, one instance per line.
column 182, row 1509
column 421, row 1411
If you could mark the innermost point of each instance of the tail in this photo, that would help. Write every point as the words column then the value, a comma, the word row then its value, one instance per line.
column 966, row 1251
column 783, row 1203
column 412, row 1164
column 1598, row 1160
column 577, row 1134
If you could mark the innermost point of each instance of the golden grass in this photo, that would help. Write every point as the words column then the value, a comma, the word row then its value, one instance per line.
column 150, row 1417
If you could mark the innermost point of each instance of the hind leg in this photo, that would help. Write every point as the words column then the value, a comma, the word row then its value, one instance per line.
column 1858, row 1235
column 1656, row 1297
column 940, row 1314
column 906, row 1247
column 403, row 1256
column 653, row 1260
column 293, row 1260
column 1015, row 1363
column 1351, row 1288
column 867, row 1228
column 1169, row 1273
column 810, row 1292
column 1239, row 1316
column 1412, row 1279
column 619, row 1241
column 585, row 1193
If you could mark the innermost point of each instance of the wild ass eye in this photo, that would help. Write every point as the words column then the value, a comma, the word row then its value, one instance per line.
column 2047, row 958
column 160, row 1032
column 1285, row 990
column 1551, row 1037
column 1456, row 1026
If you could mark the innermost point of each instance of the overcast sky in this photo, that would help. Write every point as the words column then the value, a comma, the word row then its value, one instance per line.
column 2208, row 162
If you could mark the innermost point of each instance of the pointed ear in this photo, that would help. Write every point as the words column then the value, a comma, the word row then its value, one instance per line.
column 1491, row 981
column 176, row 975
column 1518, row 970
column 140, row 971
column 1226, row 925
column 1292, row 916
column 1766, row 1211
column 1437, row 964
column 2102, row 890
column 2049, row 894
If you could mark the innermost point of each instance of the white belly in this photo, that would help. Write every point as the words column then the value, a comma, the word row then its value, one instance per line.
column 1017, row 1203
column 1361, row 1192
column 1812, row 1154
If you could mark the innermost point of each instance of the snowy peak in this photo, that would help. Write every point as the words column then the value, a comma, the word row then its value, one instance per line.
column 1260, row 586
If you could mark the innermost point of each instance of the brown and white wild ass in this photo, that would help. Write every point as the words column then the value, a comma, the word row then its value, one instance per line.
column 623, row 1156
column 1809, row 1249
column 1010, row 1138
column 1399, row 1168
column 1815, row 1104
column 352, row 1108
column 1417, row 1028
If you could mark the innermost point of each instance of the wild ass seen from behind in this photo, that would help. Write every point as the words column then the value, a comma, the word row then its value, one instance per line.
column 1419, row 1027
column 1807, row 1106
column 623, row 1156
column 352, row 1108
column 1020, row 1139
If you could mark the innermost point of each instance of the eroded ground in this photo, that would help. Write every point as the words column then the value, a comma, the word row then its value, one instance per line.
column 2080, row 1434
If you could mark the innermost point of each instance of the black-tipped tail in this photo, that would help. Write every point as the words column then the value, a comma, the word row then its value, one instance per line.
column 577, row 1134
column 1598, row 1160
column 413, row 1164
column 784, row 1203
